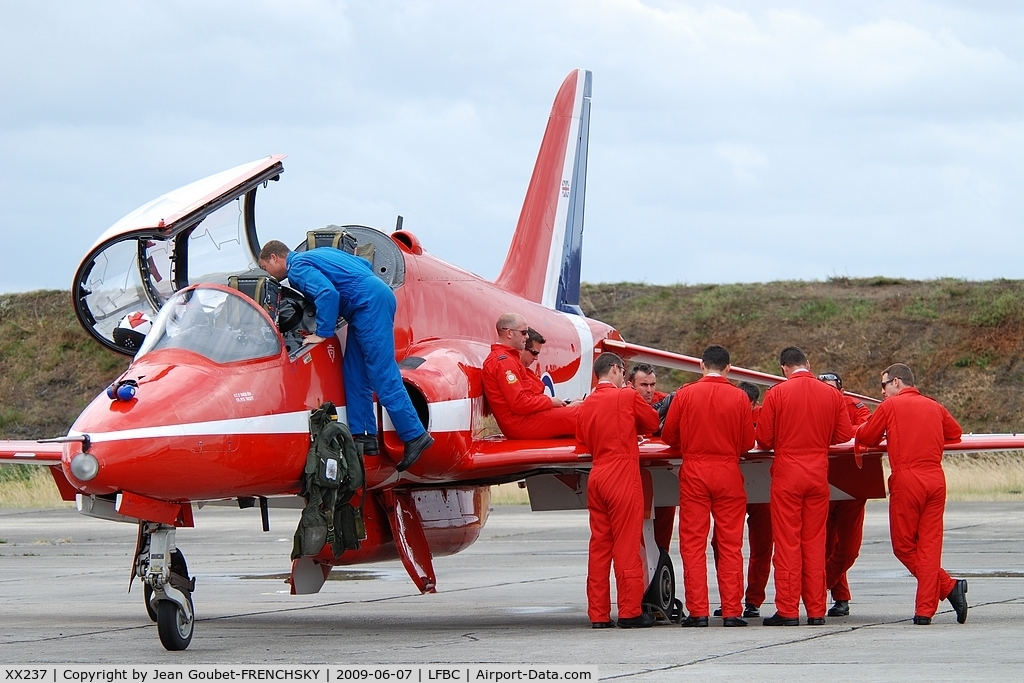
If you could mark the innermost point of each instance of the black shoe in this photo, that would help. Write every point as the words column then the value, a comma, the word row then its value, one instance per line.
column 751, row 611
column 413, row 450
column 815, row 621
column 840, row 608
column 733, row 621
column 602, row 624
column 922, row 621
column 776, row 620
column 645, row 620
column 717, row 612
column 694, row 622
column 369, row 442
column 958, row 599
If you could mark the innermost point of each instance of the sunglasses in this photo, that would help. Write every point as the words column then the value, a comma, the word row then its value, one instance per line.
column 534, row 352
column 522, row 332
column 829, row 377
column 888, row 382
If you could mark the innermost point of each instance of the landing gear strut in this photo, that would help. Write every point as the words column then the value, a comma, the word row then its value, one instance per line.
column 168, row 588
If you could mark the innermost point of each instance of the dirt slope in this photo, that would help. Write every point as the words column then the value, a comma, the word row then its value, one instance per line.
column 965, row 341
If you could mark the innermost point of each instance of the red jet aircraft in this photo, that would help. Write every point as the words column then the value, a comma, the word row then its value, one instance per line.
column 216, row 403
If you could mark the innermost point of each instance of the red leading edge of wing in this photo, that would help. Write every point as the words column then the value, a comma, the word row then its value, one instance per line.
column 30, row 453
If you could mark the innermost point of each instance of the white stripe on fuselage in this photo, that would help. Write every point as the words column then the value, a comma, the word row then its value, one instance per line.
column 284, row 423
column 445, row 416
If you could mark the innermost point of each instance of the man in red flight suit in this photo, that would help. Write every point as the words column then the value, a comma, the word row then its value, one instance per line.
column 759, row 536
column 799, row 419
column 521, row 411
column 609, row 421
column 915, row 429
column 644, row 380
column 711, row 424
column 844, row 529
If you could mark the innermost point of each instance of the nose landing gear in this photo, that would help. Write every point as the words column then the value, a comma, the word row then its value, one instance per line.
column 168, row 588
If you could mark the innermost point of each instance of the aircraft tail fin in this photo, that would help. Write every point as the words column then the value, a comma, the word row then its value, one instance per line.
column 543, row 262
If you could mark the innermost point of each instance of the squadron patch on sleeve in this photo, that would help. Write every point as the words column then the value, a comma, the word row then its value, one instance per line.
column 510, row 377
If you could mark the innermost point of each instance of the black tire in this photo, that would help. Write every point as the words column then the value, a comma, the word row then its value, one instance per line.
column 175, row 632
column 661, row 594
column 147, row 595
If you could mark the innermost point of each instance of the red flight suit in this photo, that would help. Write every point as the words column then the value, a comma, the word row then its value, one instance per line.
column 609, row 421
column 799, row 419
column 916, row 428
column 844, row 529
column 522, row 412
column 711, row 425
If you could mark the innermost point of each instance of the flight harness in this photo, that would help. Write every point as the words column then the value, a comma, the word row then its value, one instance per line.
column 334, row 472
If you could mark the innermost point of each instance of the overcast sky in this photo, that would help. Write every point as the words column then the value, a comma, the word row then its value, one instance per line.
column 729, row 142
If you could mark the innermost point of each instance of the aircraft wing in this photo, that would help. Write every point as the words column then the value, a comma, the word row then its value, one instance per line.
column 30, row 453
column 678, row 361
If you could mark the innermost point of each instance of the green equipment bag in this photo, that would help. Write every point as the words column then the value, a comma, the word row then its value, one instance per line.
column 334, row 472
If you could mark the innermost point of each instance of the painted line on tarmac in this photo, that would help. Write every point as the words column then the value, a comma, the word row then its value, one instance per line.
column 794, row 641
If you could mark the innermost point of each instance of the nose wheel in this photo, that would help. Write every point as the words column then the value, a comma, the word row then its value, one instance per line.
column 175, row 624
column 167, row 586
column 179, row 567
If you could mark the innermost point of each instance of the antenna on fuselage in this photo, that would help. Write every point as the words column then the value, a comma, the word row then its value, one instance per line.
column 398, row 223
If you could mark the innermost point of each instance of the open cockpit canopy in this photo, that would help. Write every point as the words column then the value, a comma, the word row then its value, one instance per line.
column 202, row 232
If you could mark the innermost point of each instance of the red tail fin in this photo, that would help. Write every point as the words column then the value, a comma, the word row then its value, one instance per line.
column 543, row 262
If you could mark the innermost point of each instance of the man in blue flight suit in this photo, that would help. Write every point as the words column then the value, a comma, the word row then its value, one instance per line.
column 339, row 282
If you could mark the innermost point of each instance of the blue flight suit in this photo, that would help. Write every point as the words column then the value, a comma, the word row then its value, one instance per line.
column 339, row 282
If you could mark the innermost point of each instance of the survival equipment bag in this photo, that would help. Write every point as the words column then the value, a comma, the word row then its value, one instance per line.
column 334, row 472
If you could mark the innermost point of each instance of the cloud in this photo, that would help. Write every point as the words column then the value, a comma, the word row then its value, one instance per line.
column 835, row 126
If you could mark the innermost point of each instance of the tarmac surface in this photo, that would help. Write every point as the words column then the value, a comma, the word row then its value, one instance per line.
column 517, row 596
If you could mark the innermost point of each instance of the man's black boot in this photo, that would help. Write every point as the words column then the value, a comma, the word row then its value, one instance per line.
column 958, row 599
column 645, row 620
column 778, row 620
column 414, row 449
column 840, row 608
column 694, row 622
column 751, row 611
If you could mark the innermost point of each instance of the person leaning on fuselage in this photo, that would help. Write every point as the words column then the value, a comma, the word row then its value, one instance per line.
column 844, row 529
column 643, row 378
column 522, row 412
column 915, row 429
column 711, row 425
column 534, row 341
column 800, row 418
column 339, row 282
column 610, row 419
column 759, row 536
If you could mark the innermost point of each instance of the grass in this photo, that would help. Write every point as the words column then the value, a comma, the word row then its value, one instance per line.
column 985, row 476
column 33, row 489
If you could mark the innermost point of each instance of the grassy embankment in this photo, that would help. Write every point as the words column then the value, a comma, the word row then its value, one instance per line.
column 964, row 340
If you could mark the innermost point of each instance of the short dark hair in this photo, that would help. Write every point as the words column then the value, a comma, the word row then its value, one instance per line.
column 902, row 371
column 533, row 335
column 604, row 364
column 645, row 368
column 715, row 357
column 274, row 248
column 751, row 390
column 792, row 356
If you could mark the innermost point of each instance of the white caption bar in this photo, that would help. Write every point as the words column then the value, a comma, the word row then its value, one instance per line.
column 335, row 673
